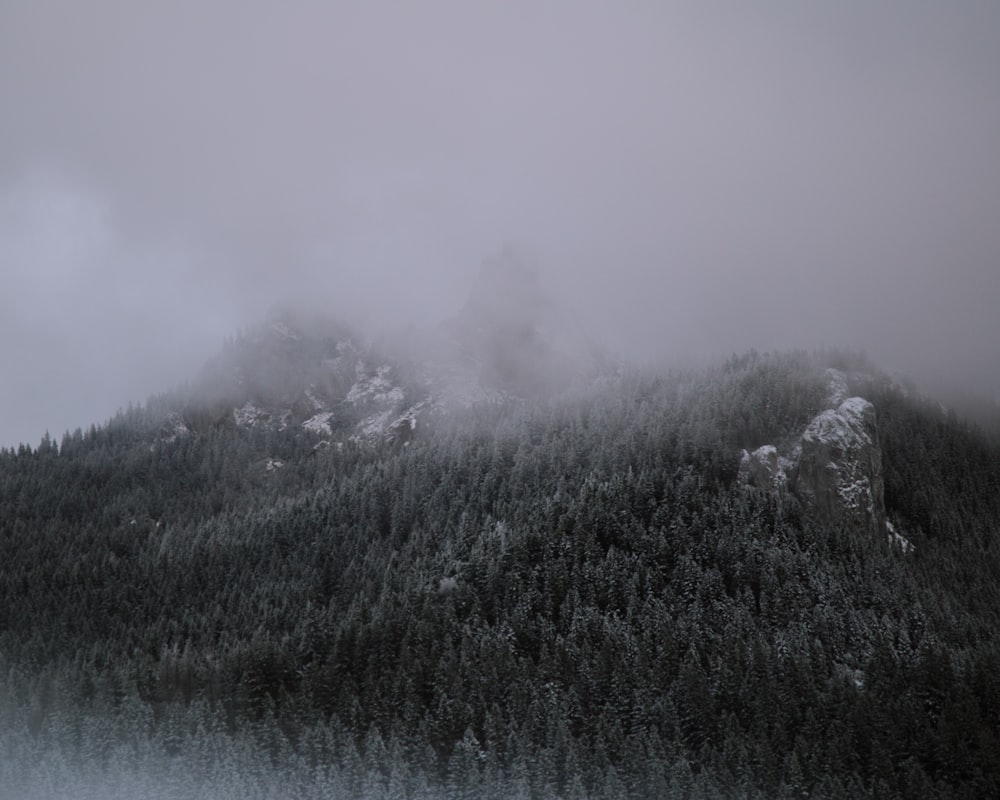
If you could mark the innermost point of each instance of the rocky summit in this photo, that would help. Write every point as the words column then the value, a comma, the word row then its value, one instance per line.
column 834, row 467
column 839, row 468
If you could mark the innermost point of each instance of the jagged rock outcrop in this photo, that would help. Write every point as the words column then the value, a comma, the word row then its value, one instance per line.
column 765, row 468
column 834, row 468
column 839, row 470
column 293, row 372
column 301, row 372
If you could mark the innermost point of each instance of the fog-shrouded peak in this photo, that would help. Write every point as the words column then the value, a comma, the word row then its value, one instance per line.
column 692, row 180
column 507, row 294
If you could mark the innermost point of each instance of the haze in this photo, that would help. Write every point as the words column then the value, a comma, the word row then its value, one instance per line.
column 690, row 178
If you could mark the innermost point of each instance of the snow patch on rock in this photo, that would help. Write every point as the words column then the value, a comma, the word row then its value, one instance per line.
column 374, row 425
column 840, row 469
column 835, row 467
column 766, row 468
column 316, row 402
column 247, row 415
column 897, row 539
column 319, row 423
column 843, row 427
column 409, row 418
column 391, row 424
column 377, row 387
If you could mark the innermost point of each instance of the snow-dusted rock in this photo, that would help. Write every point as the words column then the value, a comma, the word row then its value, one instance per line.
column 765, row 468
column 319, row 423
column 402, row 429
column 377, row 388
column 834, row 468
column 896, row 539
column 839, row 471
column 247, row 415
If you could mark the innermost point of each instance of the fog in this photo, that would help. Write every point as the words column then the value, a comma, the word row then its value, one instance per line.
column 690, row 178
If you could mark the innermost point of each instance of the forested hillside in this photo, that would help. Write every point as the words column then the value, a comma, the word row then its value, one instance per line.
column 576, row 596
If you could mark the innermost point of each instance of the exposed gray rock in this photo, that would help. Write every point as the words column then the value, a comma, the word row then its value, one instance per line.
column 834, row 468
column 839, row 472
column 764, row 468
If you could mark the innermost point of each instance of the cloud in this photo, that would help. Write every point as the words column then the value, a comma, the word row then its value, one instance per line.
column 692, row 177
column 89, row 318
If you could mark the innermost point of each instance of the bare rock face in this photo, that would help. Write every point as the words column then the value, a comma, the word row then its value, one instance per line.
column 839, row 472
column 834, row 468
column 764, row 468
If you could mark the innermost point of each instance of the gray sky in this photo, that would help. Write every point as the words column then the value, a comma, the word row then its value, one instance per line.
column 691, row 178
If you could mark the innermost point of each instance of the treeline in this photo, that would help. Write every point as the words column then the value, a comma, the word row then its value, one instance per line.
column 575, row 599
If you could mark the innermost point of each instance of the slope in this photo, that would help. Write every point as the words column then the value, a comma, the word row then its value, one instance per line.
column 581, row 595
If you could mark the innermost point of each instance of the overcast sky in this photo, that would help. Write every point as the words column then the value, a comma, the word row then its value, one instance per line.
column 689, row 177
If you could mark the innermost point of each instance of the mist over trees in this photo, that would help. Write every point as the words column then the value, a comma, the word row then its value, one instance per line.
column 564, row 597
column 695, row 179
column 596, row 518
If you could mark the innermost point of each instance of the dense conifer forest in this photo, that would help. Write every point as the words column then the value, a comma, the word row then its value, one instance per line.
column 571, row 597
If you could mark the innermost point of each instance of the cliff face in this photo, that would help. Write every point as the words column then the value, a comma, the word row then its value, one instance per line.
column 766, row 468
column 834, row 468
column 839, row 470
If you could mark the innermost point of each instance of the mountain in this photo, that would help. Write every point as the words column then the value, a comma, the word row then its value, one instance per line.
column 485, row 563
column 288, row 373
column 296, row 371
